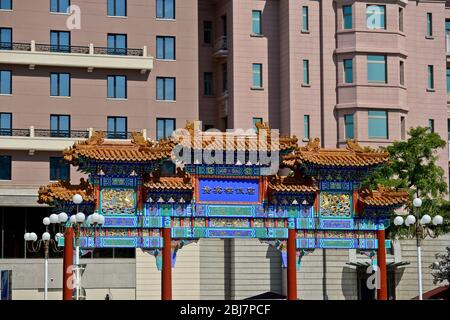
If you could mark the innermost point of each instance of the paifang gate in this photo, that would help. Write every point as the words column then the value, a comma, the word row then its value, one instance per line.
column 317, row 203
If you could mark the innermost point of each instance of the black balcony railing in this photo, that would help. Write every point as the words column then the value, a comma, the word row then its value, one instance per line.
column 71, row 49
column 62, row 48
column 14, row 132
column 118, row 135
column 84, row 134
column 119, row 51
column 15, row 46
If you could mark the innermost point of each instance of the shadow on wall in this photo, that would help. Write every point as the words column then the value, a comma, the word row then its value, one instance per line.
column 349, row 283
column 274, row 257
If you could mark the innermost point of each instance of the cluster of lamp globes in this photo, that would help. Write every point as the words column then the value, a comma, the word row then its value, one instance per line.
column 425, row 220
column 79, row 218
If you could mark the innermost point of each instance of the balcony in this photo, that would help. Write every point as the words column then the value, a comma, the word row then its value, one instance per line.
column 32, row 139
column 221, row 48
column 90, row 57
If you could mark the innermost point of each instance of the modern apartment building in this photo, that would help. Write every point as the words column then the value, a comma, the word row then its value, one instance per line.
column 331, row 69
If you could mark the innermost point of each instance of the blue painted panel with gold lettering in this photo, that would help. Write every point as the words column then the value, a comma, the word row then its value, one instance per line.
column 228, row 190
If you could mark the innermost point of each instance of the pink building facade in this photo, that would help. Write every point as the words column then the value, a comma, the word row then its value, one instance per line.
column 339, row 69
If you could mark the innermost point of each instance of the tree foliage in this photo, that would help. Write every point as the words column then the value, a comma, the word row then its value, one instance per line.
column 413, row 166
column 440, row 270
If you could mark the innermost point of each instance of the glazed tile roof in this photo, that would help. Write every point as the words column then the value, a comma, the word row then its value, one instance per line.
column 383, row 197
column 181, row 182
column 196, row 139
column 292, row 184
column 138, row 150
column 353, row 156
column 64, row 191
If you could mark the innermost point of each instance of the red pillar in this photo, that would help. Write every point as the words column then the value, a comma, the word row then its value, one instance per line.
column 68, row 264
column 166, row 274
column 291, row 265
column 381, row 260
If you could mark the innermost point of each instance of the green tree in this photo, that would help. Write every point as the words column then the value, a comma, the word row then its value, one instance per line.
column 413, row 166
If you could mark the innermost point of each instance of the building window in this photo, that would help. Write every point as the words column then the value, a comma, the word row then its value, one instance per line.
column 5, row 38
column 347, row 12
column 257, row 75
column 376, row 17
column 207, row 32
column 429, row 24
column 448, row 80
column 117, row 44
column 165, row 88
column 348, row 70
column 165, row 48
column 5, row 4
column 306, row 128
column 403, row 128
column 306, row 72
column 208, row 84
column 376, row 69
column 164, row 128
column 378, row 124
column 430, row 77
column 117, row 8
column 305, row 18
column 59, row 6
column 349, row 126
column 447, row 35
column 165, row 9
column 59, row 170
column 255, row 121
column 117, row 128
column 5, row 124
column 5, row 167
column 60, row 84
column 60, row 41
column 5, row 82
column 60, row 125
column 224, row 77
column 117, row 87
column 256, row 22
column 402, row 73
column 431, row 125
column 400, row 19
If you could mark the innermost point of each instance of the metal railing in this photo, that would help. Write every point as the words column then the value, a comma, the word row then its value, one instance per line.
column 119, row 51
column 118, row 135
column 39, row 47
column 84, row 134
column 62, row 48
column 221, row 44
column 15, row 132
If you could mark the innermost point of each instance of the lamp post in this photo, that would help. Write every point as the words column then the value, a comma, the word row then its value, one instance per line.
column 47, row 241
column 77, row 220
column 419, row 229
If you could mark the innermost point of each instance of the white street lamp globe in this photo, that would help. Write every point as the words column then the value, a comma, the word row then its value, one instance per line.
column 54, row 218
column 77, row 199
column 62, row 217
column 27, row 236
column 102, row 220
column 46, row 236
column 398, row 221
column 73, row 219
column 426, row 219
column 89, row 220
column 80, row 217
column 438, row 220
column 410, row 219
column 33, row 236
column 95, row 218
column 417, row 202
column 46, row 221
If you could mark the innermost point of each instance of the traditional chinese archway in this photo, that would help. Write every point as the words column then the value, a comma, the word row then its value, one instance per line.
column 230, row 191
